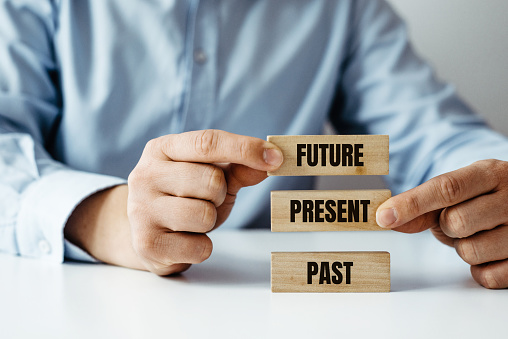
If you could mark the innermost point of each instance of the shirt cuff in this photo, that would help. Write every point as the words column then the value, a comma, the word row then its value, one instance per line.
column 73, row 252
column 45, row 208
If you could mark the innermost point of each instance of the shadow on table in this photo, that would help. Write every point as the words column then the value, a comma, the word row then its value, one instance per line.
column 228, row 270
column 407, row 283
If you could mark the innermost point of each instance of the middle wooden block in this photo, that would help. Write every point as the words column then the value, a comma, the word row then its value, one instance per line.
column 334, row 210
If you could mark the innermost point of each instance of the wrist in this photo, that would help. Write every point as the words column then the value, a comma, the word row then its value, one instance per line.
column 99, row 225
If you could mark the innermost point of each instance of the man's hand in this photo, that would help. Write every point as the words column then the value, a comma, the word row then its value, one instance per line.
column 466, row 209
column 184, row 186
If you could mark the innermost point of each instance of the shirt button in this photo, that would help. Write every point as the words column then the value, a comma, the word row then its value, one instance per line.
column 200, row 56
column 44, row 247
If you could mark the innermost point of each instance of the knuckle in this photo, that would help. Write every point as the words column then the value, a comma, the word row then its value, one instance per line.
column 134, row 210
column 136, row 176
column 133, row 178
column 216, row 180
column 206, row 141
column 205, row 250
column 488, row 278
column 412, row 203
column 145, row 246
column 499, row 170
column 468, row 251
column 453, row 223
column 243, row 150
column 450, row 188
column 152, row 146
column 487, row 163
column 428, row 222
column 209, row 216
column 495, row 170
column 139, row 216
column 143, row 174
column 140, row 181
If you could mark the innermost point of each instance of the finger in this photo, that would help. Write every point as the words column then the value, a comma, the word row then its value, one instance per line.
column 237, row 176
column 215, row 146
column 190, row 180
column 491, row 275
column 484, row 246
column 164, row 270
column 439, row 234
column 420, row 223
column 183, row 214
column 163, row 249
column 478, row 214
column 440, row 192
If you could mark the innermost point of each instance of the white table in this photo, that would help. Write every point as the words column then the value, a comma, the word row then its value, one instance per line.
column 229, row 296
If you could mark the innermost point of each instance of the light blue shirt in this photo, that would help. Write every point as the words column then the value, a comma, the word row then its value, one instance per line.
column 85, row 84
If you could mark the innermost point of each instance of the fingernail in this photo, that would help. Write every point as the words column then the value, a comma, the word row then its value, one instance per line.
column 386, row 217
column 272, row 157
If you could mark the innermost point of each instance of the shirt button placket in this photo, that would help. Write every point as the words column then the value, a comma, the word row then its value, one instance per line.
column 200, row 56
column 204, row 55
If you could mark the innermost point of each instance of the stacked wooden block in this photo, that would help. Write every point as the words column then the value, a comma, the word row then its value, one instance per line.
column 334, row 210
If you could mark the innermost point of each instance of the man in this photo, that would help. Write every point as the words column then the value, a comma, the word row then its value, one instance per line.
column 94, row 92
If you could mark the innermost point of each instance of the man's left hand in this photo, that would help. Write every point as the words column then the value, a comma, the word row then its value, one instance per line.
column 466, row 209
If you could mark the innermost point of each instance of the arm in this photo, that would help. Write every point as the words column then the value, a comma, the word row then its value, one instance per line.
column 126, row 226
column 130, row 226
column 37, row 193
column 386, row 88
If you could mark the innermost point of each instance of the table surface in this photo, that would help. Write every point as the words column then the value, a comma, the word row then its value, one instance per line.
column 228, row 296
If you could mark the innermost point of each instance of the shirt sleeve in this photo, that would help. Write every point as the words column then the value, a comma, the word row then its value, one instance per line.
column 37, row 193
column 386, row 88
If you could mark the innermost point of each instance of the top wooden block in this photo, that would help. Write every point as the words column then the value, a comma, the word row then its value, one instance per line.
column 332, row 154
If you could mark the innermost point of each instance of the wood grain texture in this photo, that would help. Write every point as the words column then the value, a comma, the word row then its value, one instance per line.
column 284, row 202
column 369, row 272
column 374, row 155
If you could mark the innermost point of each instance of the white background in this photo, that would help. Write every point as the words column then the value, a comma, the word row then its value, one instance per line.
column 467, row 43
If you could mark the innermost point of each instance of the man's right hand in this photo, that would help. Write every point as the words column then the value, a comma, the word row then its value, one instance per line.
column 183, row 186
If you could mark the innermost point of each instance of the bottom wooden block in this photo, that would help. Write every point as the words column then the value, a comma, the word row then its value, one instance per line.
column 330, row 272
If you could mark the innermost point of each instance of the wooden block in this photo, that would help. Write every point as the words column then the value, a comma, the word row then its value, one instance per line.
column 330, row 272
column 334, row 210
column 332, row 154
